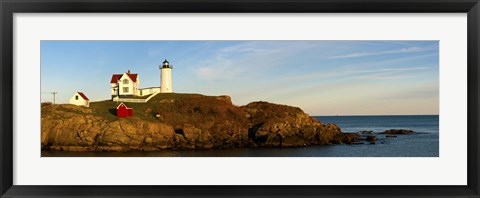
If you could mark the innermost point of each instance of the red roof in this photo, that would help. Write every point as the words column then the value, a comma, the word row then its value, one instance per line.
column 116, row 77
column 83, row 95
column 133, row 77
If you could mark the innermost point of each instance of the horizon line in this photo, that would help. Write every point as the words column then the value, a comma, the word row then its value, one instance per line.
column 377, row 115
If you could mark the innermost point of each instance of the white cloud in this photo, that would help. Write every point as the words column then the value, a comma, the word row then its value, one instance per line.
column 385, row 77
column 218, row 73
column 361, row 54
column 401, row 69
column 388, row 73
column 347, row 72
column 247, row 59
column 219, row 68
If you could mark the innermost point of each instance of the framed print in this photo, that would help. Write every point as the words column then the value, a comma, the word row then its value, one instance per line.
column 241, row 99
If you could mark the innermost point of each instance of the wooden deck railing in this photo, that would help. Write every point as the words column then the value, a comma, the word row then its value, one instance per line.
column 135, row 100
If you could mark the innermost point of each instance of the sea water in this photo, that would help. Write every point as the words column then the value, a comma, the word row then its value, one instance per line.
column 425, row 143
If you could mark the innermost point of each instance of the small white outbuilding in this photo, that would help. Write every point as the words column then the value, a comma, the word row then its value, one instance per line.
column 80, row 99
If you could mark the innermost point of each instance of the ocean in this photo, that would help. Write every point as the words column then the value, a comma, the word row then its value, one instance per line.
column 425, row 143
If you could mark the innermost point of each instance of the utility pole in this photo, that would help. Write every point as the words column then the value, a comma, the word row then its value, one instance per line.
column 54, row 96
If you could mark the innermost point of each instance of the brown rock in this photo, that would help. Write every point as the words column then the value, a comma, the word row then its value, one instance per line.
column 371, row 138
column 398, row 131
column 148, row 140
column 191, row 133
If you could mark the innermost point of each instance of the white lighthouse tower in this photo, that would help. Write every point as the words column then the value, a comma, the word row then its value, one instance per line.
column 166, row 77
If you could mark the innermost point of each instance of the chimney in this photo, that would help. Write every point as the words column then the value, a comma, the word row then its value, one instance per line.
column 128, row 72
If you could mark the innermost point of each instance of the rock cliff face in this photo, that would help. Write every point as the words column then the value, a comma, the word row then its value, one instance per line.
column 284, row 126
column 182, row 121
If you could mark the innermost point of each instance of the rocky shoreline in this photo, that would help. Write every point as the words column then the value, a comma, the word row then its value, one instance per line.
column 184, row 122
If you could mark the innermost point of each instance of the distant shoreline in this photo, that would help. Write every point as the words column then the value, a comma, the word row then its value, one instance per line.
column 368, row 115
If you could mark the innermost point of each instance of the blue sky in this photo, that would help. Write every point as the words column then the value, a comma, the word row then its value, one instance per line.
column 321, row 77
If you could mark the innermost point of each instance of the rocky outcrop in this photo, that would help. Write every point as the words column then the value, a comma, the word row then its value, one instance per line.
column 197, row 122
column 366, row 133
column 371, row 138
column 276, row 125
column 76, row 131
column 398, row 131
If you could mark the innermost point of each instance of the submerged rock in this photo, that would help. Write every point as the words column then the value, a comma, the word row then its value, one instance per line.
column 366, row 133
column 398, row 131
column 371, row 138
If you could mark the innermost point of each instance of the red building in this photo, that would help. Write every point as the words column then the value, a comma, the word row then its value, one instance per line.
column 123, row 111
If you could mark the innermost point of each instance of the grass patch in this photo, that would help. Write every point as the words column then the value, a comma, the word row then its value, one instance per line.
column 164, row 104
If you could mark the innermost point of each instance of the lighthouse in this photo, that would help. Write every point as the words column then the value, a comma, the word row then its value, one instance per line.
column 166, row 77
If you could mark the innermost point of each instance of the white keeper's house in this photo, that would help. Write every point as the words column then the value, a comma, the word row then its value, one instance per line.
column 126, row 87
column 79, row 99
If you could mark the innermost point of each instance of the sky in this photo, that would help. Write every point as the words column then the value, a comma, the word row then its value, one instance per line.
column 321, row 77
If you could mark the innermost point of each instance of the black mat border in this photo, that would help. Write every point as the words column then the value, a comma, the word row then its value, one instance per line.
column 10, row 7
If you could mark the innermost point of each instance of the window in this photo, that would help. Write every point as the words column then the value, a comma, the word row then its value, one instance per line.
column 125, row 89
column 125, row 81
column 76, row 97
